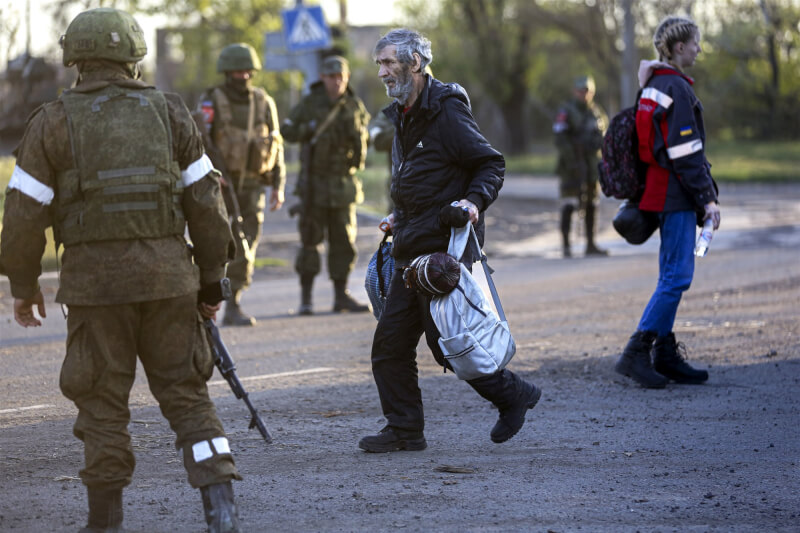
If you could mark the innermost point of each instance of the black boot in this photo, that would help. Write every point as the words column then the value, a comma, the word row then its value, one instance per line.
column 105, row 511
column 591, row 249
column 306, row 285
column 566, row 223
column 512, row 396
column 220, row 510
column 391, row 439
column 636, row 364
column 343, row 301
column 234, row 316
column 669, row 359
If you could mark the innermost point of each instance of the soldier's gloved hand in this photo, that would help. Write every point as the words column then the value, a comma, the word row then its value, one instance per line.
column 308, row 129
column 453, row 216
column 213, row 293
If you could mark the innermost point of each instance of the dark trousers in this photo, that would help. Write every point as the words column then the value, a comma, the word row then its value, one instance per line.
column 394, row 359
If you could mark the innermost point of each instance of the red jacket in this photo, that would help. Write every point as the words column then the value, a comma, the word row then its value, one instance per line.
column 669, row 124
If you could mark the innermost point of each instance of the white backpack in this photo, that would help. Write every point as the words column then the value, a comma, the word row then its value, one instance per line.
column 475, row 341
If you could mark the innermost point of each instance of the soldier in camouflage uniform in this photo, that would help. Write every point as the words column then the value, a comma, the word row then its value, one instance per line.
column 334, row 121
column 579, row 128
column 118, row 169
column 242, row 137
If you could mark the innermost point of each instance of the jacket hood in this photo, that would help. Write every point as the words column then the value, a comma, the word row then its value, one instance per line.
column 650, row 68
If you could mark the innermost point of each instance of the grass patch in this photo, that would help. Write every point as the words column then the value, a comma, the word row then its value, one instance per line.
column 732, row 161
column 754, row 161
column 262, row 262
column 541, row 160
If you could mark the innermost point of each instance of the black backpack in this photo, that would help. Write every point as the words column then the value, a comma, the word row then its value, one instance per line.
column 621, row 173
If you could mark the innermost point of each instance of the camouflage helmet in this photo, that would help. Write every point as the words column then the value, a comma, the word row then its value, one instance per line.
column 238, row 56
column 103, row 33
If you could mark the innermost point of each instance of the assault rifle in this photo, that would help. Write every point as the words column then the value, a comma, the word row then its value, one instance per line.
column 228, row 192
column 226, row 366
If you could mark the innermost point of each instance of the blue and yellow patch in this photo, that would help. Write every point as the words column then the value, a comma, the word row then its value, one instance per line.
column 686, row 131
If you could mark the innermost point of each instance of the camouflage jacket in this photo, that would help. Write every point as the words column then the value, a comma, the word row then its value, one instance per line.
column 111, row 272
column 222, row 109
column 578, row 130
column 340, row 150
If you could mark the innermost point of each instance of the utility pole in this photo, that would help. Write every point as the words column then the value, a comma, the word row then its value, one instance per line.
column 28, row 28
column 343, row 15
column 628, row 74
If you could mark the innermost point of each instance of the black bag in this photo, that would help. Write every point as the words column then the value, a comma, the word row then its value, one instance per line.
column 635, row 225
column 620, row 172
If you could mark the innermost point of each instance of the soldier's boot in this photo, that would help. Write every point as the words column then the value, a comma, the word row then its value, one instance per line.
column 512, row 396
column 220, row 509
column 343, row 301
column 566, row 223
column 105, row 511
column 669, row 359
column 234, row 316
column 635, row 361
column 591, row 248
column 306, row 285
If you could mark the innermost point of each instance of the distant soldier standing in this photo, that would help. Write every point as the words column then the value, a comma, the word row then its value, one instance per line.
column 118, row 169
column 579, row 128
column 243, row 139
column 331, row 123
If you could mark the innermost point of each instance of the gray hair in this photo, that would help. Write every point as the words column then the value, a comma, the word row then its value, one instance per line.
column 408, row 43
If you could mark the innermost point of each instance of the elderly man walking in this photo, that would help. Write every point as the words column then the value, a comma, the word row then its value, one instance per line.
column 439, row 157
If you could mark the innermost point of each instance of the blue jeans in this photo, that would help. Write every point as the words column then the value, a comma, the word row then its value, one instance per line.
column 675, row 271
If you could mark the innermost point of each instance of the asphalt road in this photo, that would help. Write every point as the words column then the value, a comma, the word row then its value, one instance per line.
column 597, row 453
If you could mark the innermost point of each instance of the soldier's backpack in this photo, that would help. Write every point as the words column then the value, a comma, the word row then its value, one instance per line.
column 620, row 171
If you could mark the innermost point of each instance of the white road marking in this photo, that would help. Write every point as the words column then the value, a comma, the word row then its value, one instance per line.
column 277, row 375
column 29, row 408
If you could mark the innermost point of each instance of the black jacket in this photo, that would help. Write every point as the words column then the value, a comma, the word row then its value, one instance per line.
column 439, row 156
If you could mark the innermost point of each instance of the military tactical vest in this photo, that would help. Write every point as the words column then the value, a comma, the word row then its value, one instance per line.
column 125, row 184
column 244, row 149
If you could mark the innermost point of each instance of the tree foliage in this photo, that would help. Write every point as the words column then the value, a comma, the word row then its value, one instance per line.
column 517, row 58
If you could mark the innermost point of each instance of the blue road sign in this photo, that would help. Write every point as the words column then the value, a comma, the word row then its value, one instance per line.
column 304, row 28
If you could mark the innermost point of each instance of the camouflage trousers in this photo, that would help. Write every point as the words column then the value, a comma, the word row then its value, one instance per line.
column 339, row 223
column 252, row 202
column 99, row 370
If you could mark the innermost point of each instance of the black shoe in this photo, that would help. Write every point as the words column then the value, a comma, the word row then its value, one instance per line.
column 591, row 249
column 305, row 310
column 512, row 419
column 345, row 302
column 219, row 508
column 669, row 359
column 392, row 439
column 235, row 317
column 635, row 361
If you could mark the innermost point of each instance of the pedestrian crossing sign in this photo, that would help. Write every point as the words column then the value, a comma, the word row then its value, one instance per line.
column 304, row 28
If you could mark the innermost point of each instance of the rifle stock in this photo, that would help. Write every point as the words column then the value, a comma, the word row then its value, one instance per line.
column 227, row 368
column 228, row 192
column 306, row 190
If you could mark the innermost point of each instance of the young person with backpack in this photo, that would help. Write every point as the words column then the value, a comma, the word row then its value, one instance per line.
column 680, row 189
